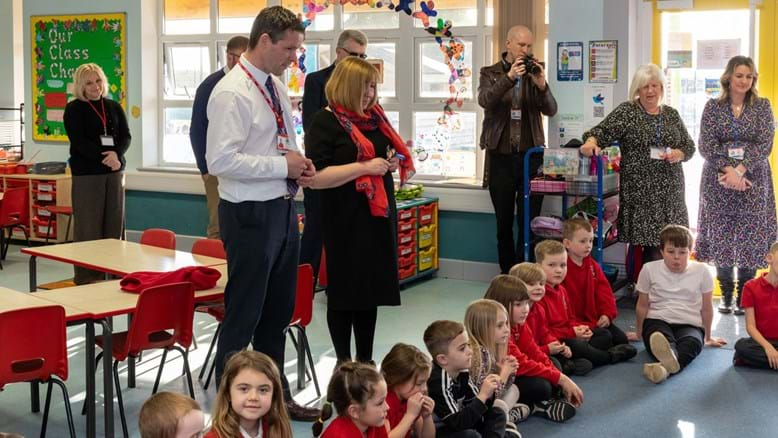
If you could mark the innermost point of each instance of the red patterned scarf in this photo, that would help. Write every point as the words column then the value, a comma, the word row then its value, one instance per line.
column 372, row 185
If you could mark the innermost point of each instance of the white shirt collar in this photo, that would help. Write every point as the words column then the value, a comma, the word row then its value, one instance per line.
column 245, row 434
column 258, row 74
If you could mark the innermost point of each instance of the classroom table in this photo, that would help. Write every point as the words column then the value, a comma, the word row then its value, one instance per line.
column 14, row 300
column 114, row 256
column 104, row 300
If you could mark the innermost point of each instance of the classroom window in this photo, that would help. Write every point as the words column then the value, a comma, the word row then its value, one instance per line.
column 415, row 84
column 186, row 17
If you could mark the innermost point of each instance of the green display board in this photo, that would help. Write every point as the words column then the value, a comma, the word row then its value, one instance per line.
column 61, row 43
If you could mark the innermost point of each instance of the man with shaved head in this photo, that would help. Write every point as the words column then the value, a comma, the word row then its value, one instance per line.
column 515, row 96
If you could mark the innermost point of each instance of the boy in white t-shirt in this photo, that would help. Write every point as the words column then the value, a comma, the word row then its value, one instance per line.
column 674, row 309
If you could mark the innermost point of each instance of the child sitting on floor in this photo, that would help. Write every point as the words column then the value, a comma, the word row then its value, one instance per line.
column 170, row 415
column 674, row 310
column 537, row 379
column 591, row 296
column 358, row 393
column 760, row 301
column 461, row 408
column 406, row 371
column 584, row 343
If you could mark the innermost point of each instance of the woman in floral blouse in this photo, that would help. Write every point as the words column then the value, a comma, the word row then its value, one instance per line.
column 737, row 207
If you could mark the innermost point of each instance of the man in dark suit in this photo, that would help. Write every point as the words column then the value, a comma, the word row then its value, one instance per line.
column 350, row 43
column 198, row 129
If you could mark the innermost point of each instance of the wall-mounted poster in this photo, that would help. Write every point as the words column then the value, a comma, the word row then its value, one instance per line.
column 603, row 61
column 569, row 65
column 61, row 43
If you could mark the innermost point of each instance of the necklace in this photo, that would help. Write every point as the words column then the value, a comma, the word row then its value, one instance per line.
column 737, row 109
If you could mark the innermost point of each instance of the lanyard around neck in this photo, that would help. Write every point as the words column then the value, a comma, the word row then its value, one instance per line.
column 103, row 117
column 277, row 112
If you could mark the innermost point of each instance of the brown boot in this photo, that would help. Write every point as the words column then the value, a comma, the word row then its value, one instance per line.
column 301, row 413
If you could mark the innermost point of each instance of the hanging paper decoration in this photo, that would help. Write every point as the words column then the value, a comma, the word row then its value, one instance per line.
column 427, row 11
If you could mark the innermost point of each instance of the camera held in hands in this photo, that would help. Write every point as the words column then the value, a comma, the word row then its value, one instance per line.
column 531, row 65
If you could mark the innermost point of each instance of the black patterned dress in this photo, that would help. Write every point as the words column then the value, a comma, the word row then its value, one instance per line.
column 736, row 228
column 652, row 190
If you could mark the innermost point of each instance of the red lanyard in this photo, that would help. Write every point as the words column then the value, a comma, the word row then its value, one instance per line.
column 103, row 118
column 277, row 113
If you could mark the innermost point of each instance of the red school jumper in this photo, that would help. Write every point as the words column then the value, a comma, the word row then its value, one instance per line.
column 532, row 361
column 589, row 292
column 397, row 410
column 537, row 322
column 343, row 427
column 558, row 313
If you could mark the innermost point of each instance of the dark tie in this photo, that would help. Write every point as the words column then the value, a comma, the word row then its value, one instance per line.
column 291, row 185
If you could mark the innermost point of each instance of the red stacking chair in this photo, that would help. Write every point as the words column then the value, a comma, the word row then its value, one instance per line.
column 210, row 248
column 54, row 211
column 162, row 319
column 301, row 317
column 159, row 237
column 36, row 354
column 14, row 213
column 303, row 313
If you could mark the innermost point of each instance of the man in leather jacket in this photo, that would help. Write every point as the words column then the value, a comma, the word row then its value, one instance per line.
column 515, row 95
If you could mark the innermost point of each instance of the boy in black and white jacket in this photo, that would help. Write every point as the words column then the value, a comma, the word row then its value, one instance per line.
column 461, row 409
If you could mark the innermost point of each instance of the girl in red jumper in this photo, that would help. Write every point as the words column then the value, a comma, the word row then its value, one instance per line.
column 406, row 371
column 249, row 402
column 358, row 393
column 536, row 377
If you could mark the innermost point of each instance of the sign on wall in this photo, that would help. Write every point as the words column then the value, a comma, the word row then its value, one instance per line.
column 60, row 43
column 569, row 61
column 603, row 61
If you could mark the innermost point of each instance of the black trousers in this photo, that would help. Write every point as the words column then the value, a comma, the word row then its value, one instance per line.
column 751, row 353
column 506, row 190
column 311, row 243
column 262, row 244
column 687, row 340
column 492, row 425
column 727, row 280
column 533, row 390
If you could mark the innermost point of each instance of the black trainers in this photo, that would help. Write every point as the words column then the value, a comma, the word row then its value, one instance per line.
column 557, row 411
column 622, row 352
column 725, row 307
column 518, row 413
column 737, row 310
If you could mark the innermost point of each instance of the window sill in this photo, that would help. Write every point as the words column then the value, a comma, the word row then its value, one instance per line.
column 463, row 195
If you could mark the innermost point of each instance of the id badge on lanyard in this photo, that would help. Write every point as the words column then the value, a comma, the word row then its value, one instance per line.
column 657, row 151
column 736, row 150
column 284, row 144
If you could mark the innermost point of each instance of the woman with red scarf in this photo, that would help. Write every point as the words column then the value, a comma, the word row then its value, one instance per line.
column 355, row 150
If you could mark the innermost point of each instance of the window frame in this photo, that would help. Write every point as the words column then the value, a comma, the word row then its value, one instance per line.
column 407, row 39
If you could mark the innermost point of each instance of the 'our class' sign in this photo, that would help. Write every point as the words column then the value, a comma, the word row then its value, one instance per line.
column 61, row 43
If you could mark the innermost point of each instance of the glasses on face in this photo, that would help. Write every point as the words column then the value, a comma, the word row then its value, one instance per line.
column 358, row 55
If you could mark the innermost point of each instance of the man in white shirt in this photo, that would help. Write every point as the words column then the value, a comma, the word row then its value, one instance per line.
column 251, row 148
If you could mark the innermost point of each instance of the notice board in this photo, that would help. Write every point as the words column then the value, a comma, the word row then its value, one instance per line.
column 60, row 43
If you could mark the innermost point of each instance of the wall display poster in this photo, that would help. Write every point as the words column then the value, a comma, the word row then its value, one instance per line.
column 60, row 44
column 569, row 66
column 598, row 103
column 603, row 61
column 570, row 127
column 714, row 54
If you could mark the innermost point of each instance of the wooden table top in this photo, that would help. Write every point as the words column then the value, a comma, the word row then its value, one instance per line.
column 15, row 300
column 105, row 298
column 120, row 257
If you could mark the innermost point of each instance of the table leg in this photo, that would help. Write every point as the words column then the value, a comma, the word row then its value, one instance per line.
column 130, row 361
column 91, row 392
column 108, row 379
column 33, row 274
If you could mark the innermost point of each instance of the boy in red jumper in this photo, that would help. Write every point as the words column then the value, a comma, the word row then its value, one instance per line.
column 591, row 297
column 552, row 257
column 534, row 279
column 536, row 377
column 760, row 301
